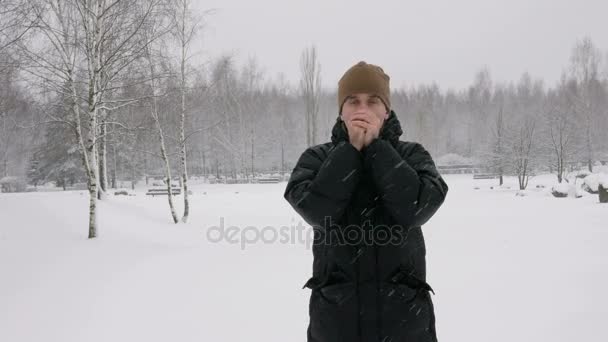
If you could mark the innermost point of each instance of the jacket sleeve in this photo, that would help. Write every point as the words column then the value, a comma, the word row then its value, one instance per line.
column 321, row 187
column 410, row 186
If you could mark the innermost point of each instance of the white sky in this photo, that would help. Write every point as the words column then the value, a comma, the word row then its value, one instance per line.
column 414, row 41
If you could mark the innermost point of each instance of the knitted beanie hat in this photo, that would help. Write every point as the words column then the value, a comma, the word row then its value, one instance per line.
column 364, row 78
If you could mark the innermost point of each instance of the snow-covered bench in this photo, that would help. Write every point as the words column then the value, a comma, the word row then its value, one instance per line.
column 163, row 191
column 485, row 176
column 266, row 180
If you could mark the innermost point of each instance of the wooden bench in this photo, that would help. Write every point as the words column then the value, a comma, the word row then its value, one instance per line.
column 485, row 176
column 163, row 191
column 458, row 169
column 267, row 180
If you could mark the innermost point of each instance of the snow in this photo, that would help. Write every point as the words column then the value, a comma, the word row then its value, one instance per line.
column 603, row 180
column 594, row 180
column 503, row 267
column 453, row 159
column 562, row 188
column 572, row 189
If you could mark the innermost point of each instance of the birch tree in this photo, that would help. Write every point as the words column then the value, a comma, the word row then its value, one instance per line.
column 56, row 65
column 88, row 45
column 185, row 30
column 154, row 113
column 15, row 22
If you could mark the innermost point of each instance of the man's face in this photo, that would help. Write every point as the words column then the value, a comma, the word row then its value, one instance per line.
column 363, row 103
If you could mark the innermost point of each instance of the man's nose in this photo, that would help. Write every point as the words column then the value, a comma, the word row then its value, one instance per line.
column 362, row 108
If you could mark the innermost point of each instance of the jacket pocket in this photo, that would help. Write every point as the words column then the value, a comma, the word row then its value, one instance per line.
column 333, row 288
column 405, row 279
column 407, row 312
column 332, row 307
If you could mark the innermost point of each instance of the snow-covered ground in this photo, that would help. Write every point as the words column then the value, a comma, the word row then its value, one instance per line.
column 503, row 267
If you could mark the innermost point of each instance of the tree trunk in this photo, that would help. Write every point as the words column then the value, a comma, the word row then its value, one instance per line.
column 182, row 133
column 103, row 153
column 165, row 158
column 91, row 151
column 252, row 157
column 114, row 169
column 161, row 138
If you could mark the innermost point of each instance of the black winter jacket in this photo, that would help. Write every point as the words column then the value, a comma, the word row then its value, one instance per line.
column 366, row 208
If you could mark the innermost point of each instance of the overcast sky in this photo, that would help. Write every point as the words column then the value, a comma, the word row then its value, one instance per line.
column 414, row 41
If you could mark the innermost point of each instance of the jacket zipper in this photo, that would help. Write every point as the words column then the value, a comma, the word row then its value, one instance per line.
column 378, row 309
column 358, row 313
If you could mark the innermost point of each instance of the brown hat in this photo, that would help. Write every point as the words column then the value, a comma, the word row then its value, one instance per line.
column 364, row 78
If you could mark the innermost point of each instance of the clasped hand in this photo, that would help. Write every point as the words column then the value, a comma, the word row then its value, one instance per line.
column 363, row 129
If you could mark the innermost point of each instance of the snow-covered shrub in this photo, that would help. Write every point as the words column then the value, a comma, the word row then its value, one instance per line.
column 576, row 191
column 560, row 190
column 123, row 192
column 591, row 182
column 578, row 174
column 567, row 190
column 12, row 184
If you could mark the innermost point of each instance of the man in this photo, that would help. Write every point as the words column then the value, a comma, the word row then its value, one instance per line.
column 367, row 194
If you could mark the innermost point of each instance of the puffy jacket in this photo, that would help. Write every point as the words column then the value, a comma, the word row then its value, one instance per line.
column 366, row 208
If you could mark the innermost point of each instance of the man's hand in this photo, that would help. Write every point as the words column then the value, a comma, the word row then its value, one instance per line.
column 356, row 135
column 370, row 124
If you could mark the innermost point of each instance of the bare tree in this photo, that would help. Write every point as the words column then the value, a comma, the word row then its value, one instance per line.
column 154, row 79
column 585, row 67
column 310, row 85
column 523, row 145
column 427, row 101
column 186, row 26
column 497, row 157
column 56, row 65
column 112, row 41
column 15, row 22
column 88, row 45
column 228, row 135
column 16, row 111
column 252, row 108
column 562, row 128
column 241, row 125
column 478, row 99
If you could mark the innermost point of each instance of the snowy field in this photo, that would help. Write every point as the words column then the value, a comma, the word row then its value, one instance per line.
column 503, row 267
